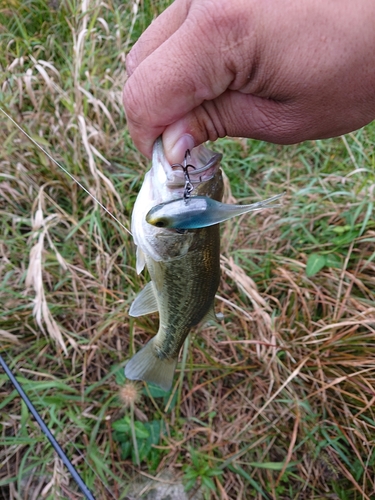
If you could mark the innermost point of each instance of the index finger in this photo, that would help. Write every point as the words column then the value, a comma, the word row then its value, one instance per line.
column 159, row 30
column 186, row 69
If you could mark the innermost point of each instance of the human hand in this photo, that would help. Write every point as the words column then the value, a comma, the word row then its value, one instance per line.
column 280, row 71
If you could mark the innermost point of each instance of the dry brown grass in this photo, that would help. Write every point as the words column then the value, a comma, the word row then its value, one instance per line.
column 278, row 395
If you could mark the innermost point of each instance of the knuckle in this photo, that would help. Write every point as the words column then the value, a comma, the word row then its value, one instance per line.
column 228, row 28
column 226, row 15
column 132, row 102
column 130, row 63
column 281, row 125
column 211, row 121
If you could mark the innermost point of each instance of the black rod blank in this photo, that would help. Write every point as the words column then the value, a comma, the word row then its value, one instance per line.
column 77, row 478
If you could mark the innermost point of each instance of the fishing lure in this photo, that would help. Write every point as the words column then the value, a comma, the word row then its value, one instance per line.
column 196, row 212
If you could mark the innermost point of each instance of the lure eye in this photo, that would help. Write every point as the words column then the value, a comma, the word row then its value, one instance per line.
column 157, row 220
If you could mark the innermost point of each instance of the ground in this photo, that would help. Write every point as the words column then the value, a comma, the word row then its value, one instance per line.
column 275, row 401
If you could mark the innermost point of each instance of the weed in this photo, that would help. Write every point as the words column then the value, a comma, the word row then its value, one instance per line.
column 147, row 435
column 276, row 400
column 201, row 471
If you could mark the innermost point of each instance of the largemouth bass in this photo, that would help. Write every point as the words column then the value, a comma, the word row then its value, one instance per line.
column 184, row 266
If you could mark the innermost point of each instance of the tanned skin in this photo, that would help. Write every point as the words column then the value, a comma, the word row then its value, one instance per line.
column 282, row 71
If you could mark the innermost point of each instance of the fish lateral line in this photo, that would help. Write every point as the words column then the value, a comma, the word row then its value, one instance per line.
column 65, row 170
column 184, row 270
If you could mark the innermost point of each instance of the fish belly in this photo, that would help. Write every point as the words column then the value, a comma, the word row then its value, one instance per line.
column 184, row 290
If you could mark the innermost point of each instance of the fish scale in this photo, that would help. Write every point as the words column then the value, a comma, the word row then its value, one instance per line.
column 184, row 268
column 188, row 287
column 175, row 225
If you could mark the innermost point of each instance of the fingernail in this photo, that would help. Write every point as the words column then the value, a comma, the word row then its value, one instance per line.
column 176, row 152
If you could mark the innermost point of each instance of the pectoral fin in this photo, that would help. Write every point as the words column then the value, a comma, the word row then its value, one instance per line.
column 145, row 302
column 141, row 261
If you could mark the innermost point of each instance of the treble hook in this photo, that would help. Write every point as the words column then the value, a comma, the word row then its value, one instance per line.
column 188, row 188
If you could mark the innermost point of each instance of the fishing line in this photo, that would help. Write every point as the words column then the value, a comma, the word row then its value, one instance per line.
column 38, row 418
column 65, row 170
column 77, row 478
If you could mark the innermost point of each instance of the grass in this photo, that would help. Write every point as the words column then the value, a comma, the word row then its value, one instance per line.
column 276, row 401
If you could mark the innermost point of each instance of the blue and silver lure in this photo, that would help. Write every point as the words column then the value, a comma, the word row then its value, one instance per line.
column 200, row 211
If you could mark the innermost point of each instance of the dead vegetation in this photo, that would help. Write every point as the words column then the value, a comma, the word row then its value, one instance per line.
column 277, row 398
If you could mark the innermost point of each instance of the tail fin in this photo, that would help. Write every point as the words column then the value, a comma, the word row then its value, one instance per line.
column 145, row 365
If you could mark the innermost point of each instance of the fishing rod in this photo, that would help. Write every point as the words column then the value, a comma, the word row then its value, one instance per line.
column 77, row 478
column 83, row 487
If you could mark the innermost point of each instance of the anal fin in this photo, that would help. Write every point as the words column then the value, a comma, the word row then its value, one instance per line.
column 212, row 316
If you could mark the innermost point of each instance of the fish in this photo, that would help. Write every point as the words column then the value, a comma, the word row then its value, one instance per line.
column 200, row 211
column 184, row 266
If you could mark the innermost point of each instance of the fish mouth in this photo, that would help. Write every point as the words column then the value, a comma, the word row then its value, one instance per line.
column 202, row 163
column 197, row 174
